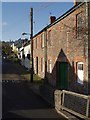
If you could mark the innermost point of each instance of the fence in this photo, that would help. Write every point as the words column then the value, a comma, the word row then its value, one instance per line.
column 74, row 103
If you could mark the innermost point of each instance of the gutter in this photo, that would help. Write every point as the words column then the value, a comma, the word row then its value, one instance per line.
column 60, row 18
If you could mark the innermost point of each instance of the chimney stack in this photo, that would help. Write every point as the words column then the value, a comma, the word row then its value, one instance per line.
column 52, row 19
column 75, row 2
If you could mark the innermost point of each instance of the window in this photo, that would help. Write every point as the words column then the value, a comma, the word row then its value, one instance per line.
column 23, row 56
column 80, row 72
column 49, row 38
column 42, row 40
column 35, row 65
column 49, row 66
column 79, row 24
column 80, row 66
column 42, row 64
column 28, row 56
column 36, row 43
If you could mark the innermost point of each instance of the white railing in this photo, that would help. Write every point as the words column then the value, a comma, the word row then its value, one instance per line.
column 75, row 103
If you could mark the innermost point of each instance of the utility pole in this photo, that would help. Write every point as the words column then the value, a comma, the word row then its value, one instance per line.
column 31, row 36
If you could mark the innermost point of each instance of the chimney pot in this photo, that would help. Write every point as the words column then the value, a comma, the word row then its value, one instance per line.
column 52, row 19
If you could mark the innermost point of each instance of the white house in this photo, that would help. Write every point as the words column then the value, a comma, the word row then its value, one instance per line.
column 25, row 53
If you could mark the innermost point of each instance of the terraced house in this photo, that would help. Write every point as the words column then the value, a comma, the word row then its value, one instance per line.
column 62, row 50
column 25, row 52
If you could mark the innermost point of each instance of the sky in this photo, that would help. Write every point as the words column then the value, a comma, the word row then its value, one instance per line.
column 16, row 17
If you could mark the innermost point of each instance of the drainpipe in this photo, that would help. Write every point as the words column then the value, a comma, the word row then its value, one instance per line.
column 87, row 86
column 45, row 55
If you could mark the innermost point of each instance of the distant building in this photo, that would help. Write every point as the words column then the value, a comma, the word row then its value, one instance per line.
column 17, row 45
column 25, row 53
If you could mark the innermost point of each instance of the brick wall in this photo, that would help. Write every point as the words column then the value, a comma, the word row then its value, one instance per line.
column 66, row 47
column 38, row 52
column 89, row 47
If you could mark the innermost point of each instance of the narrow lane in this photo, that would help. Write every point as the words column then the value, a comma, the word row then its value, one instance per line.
column 0, row 88
column 18, row 101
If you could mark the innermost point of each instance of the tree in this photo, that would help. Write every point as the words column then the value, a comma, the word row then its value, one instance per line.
column 6, row 48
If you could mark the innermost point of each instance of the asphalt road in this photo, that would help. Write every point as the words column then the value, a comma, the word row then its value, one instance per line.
column 0, row 88
column 18, row 101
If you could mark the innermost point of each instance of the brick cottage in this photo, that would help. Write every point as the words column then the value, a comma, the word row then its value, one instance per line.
column 62, row 50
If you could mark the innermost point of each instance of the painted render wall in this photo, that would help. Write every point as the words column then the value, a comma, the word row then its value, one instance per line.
column 27, row 50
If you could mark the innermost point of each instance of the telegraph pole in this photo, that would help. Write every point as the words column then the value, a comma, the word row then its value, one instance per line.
column 31, row 37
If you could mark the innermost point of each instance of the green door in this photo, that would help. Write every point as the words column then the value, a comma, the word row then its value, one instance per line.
column 62, row 75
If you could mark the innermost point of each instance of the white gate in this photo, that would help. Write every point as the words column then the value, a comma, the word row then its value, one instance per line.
column 75, row 103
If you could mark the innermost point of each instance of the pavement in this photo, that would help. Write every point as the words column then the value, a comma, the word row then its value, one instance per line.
column 65, row 114
column 23, row 99
column 19, row 102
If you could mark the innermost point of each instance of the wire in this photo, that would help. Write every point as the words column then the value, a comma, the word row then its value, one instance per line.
column 15, row 24
column 43, row 6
